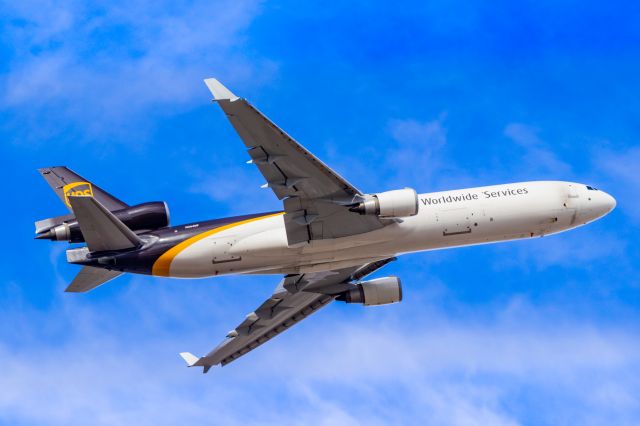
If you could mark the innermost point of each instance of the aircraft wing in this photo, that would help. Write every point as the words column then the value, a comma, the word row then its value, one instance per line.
column 295, row 298
column 315, row 197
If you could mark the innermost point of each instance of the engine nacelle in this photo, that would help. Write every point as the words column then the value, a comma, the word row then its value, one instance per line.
column 145, row 216
column 397, row 203
column 380, row 291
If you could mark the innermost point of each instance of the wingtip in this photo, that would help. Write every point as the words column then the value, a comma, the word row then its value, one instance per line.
column 189, row 358
column 219, row 91
column 192, row 361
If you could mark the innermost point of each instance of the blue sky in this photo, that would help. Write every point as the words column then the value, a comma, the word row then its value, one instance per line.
column 432, row 95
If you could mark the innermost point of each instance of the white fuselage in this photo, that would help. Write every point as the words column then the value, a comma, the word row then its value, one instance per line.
column 444, row 219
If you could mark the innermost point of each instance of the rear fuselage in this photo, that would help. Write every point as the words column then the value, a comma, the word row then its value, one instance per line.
column 258, row 243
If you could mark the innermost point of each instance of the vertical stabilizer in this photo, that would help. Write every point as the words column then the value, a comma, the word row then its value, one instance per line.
column 66, row 183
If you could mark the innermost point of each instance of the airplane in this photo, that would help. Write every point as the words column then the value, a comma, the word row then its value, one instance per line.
column 325, row 242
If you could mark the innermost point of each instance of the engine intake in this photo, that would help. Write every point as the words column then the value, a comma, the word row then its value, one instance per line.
column 381, row 291
column 145, row 216
column 397, row 203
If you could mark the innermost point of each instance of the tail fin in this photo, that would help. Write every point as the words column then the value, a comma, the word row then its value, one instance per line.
column 101, row 229
column 66, row 183
column 89, row 278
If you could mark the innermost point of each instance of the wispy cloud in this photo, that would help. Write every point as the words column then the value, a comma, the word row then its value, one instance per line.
column 538, row 159
column 622, row 168
column 460, row 349
column 569, row 249
column 237, row 188
column 418, row 151
column 415, row 155
column 435, row 369
column 151, row 57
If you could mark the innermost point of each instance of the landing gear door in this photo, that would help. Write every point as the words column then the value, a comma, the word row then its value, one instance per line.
column 455, row 221
column 222, row 250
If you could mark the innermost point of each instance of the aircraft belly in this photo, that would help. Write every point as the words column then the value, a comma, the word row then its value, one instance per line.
column 262, row 245
column 220, row 256
column 229, row 251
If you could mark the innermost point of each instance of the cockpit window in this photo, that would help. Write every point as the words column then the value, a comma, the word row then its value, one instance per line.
column 591, row 188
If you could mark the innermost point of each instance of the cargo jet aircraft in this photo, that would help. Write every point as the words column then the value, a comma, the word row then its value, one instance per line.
column 327, row 239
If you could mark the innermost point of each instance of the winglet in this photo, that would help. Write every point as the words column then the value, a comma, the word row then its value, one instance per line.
column 192, row 361
column 219, row 91
column 189, row 358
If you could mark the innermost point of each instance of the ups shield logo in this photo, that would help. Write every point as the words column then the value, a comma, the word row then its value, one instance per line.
column 76, row 189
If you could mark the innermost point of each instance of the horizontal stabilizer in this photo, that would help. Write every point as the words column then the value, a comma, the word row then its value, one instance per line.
column 101, row 229
column 46, row 224
column 89, row 278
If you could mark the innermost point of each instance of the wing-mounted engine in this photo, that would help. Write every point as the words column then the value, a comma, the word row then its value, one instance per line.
column 381, row 291
column 389, row 204
column 142, row 217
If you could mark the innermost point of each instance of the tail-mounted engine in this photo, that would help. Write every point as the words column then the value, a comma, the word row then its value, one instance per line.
column 380, row 291
column 143, row 217
column 397, row 203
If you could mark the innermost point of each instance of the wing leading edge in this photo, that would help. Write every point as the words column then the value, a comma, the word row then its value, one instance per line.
column 315, row 197
column 295, row 298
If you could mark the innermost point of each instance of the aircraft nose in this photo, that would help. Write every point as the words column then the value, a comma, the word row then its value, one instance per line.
column 599, row 204
column 593, row 204
column 607, row 202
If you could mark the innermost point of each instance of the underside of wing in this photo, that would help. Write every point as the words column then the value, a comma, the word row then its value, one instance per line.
column 315, row 198
column 295, row 298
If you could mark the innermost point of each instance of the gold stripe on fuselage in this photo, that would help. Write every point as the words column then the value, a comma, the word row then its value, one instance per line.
column 162, row 265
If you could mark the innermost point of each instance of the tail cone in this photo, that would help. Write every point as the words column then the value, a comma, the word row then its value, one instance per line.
column 49, row 235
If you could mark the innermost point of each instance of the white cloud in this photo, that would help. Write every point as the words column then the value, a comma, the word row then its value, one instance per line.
column 585, row 247
column 101, row 68
column 538, row 159
column 417, row 157
column 238, row 188
column 114, row 360
column 622, row 169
